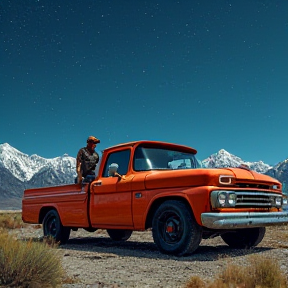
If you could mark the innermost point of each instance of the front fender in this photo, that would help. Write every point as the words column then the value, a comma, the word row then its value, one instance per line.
column 196, row 198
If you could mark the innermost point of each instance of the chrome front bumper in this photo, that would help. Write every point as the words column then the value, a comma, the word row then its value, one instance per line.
column 243, row 219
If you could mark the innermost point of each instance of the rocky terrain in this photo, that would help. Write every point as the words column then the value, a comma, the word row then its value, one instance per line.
column 93, row 260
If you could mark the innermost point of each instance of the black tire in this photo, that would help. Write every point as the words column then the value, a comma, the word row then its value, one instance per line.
column 119, row 235
column 244, row 238
column 52, row 227
column 175, row 230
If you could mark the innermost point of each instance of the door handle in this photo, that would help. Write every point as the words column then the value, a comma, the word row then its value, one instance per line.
column 98, row 183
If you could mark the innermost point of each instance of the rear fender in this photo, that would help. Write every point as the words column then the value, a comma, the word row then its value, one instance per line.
column 44, row 210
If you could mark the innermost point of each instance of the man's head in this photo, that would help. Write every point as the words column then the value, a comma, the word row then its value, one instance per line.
column 91, row 142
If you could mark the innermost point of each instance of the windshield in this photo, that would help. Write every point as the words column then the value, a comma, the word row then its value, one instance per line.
column 163, row 159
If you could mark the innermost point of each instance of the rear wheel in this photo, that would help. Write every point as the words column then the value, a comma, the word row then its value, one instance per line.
column 244, row 238
column 175, row 230
column 119, row 235
column 53, row 227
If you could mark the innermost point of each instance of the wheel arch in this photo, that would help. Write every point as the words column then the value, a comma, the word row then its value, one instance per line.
column 44, row 210
column 157, row 202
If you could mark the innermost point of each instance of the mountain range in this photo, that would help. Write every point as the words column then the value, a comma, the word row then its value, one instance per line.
column 225, row 159
column 19, row 171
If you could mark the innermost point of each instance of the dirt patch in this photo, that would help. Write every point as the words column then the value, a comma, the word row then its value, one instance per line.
column 10, row 211
column 94, row 260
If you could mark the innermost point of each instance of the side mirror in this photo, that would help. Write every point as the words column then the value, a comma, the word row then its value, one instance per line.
column 112, row 170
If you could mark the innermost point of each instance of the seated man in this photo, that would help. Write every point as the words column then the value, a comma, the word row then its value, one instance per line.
column 87, row 159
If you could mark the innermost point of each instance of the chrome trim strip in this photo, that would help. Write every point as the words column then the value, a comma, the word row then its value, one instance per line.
column 55, row 195
column 243, row 219
column 257, row 193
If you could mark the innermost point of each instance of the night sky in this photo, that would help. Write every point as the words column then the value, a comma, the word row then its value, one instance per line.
column 207, row 74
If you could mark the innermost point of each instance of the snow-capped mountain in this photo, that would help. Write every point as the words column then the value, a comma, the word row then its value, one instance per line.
column 280, row 172
column 19, row 171
column 24, row 167
column 225, row 159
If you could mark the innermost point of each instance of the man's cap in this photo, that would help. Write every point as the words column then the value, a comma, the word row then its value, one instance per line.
column 93, row 139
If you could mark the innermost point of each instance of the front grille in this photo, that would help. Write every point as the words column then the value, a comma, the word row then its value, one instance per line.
column 251, row 185
column 253, row 199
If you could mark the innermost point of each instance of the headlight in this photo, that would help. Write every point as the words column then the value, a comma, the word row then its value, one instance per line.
column 222, row 199
column 285, row 202
column 232, row 199
column 278, row 201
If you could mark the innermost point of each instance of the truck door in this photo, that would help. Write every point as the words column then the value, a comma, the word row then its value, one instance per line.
column 111, row 197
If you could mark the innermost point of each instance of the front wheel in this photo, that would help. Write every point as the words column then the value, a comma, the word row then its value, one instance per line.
column 53, row 227
column 244, row 238
column 175, row 230
column 119, row 235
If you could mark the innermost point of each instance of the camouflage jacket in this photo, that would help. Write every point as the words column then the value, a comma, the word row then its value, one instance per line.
column 87, row 161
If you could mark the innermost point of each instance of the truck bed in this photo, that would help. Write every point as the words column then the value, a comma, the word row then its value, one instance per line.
column 70, row 200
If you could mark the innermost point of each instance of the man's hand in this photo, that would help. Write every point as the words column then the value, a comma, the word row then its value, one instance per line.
column 80, row 179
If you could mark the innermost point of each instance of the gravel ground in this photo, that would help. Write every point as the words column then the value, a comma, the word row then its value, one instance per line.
column 93, row 260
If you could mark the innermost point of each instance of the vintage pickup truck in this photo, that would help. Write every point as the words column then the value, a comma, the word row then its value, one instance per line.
column 161, row 186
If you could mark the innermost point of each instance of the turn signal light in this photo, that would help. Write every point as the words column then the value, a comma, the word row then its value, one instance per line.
column 226, row 180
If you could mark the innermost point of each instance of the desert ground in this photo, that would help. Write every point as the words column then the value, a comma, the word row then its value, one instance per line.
column 94, row 260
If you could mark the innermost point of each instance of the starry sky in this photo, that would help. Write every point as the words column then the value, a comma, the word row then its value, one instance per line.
column 207, row 74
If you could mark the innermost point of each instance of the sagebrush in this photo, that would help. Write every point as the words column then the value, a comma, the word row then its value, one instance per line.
column 260, row 272
column 28, row 264
column 11, row 220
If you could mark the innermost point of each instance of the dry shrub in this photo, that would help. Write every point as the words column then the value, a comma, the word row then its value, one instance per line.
column 50, row 241
column 260, row 272
column 28, row 264
column 36, row 226
column 195, row 282
column 266, row 273
column 11, row 220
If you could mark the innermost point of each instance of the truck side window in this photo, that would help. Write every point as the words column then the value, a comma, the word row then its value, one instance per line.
column 122, row 158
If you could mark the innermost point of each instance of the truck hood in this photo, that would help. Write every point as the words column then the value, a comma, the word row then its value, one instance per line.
column 203, row 177
column 249, row 174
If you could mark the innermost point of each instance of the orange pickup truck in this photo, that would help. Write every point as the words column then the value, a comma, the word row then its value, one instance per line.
column 150, row 184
